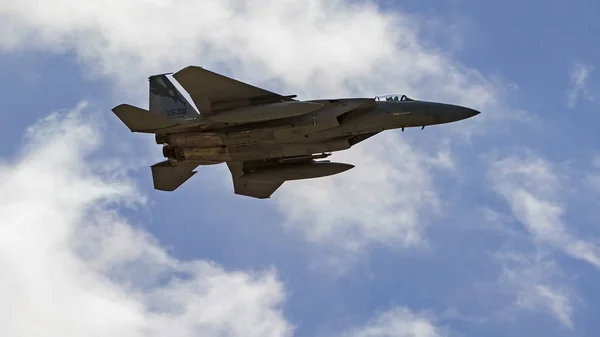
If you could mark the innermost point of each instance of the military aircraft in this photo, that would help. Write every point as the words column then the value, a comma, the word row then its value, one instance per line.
column 265, row 138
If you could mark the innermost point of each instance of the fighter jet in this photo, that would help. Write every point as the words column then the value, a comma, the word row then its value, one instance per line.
column 264, row 138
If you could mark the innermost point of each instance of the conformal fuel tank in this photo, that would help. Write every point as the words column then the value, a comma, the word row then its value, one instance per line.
column 314, row 169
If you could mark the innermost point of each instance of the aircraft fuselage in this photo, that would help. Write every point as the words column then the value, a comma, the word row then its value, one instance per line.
column 303, row 135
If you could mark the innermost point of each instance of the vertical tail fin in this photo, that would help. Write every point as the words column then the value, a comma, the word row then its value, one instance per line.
column 167, row 101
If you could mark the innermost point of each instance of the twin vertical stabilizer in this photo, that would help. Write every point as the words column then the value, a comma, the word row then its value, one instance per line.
column 167, row 101
column 168, row 108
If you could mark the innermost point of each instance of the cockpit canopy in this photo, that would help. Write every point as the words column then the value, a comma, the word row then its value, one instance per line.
column 393, row 98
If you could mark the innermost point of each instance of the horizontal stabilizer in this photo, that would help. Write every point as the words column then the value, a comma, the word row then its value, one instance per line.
column 169, row 178
column 141, row 120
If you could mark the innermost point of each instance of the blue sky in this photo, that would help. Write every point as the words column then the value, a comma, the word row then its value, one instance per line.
column 484, row 227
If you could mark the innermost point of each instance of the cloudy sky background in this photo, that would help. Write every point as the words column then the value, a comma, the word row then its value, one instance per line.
column 483, row 227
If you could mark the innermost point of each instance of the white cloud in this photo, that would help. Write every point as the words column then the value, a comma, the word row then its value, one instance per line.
column 72, row 266
column 593, row 177
column 399, row 322
column 381, row 200
column 291, row 46
column 534, row 281
column 308, row 45
column 532, row 189
column 578, row 85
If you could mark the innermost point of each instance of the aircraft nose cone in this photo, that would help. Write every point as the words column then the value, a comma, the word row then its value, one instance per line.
column 452, row 113
column 465, row 113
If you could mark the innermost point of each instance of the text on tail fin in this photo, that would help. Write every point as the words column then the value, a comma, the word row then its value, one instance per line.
column 166, row 100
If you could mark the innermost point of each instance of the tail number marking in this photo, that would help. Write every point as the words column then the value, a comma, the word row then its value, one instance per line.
column 176, row 112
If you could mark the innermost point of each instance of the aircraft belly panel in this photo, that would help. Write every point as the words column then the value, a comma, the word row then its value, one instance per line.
column 244, row 152
column 251, row 137
column 267, row 151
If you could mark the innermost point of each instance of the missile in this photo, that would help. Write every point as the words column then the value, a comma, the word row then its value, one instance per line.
column 264, row 112
column 310, row 170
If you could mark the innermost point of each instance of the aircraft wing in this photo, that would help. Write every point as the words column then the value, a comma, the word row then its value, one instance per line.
column 255, row 189
column 207, row 89
column 260, row 190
